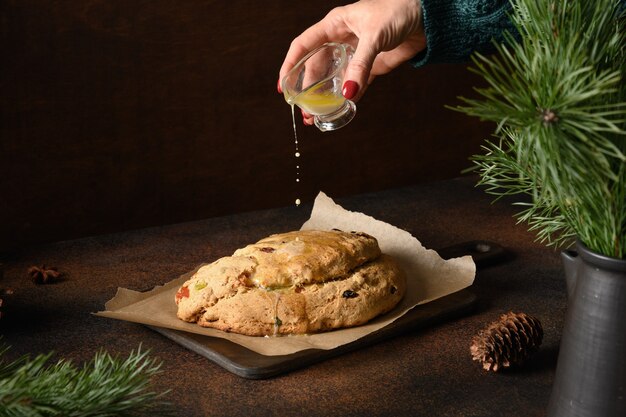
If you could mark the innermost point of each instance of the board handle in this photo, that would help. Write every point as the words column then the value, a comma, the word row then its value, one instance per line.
column 485, row 253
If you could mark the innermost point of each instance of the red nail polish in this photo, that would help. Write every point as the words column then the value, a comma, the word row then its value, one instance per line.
column 280, row 90
column 350, row 89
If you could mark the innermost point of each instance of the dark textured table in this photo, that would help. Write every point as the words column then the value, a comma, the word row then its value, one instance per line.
column 425, row 372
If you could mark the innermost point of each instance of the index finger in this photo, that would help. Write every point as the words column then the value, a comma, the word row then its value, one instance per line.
column 323, row 31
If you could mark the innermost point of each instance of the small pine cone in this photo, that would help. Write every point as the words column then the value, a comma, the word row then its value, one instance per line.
column 506, row 342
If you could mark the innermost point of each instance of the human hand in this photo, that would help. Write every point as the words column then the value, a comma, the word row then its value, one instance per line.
column 384, row 33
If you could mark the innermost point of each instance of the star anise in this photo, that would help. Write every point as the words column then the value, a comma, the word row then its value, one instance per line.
column 3, row 291
column 43, row 274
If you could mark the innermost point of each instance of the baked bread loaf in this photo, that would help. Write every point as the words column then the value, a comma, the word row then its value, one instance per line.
column 294, row 283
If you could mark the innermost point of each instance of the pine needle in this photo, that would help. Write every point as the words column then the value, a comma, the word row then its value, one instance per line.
column 105, row 386
column 558, row 98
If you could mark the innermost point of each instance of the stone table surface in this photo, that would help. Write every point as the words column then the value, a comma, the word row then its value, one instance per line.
column 424, row 372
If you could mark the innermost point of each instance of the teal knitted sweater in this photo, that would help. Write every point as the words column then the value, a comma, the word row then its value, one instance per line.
column 456, row 28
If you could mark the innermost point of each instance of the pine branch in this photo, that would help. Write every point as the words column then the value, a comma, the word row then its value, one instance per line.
column 559, row 101
column 106, row 386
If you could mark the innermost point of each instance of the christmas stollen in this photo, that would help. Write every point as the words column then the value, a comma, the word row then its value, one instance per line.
column 294, row 283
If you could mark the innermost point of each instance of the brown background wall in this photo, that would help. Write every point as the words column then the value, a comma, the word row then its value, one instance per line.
column 119, row 114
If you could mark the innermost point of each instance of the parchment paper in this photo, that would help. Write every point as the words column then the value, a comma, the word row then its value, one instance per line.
column 429, row 277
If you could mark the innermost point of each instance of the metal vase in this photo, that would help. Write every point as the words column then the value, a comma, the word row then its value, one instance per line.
column 591, row 370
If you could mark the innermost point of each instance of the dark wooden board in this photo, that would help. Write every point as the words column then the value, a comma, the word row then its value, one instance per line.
column 249, row 364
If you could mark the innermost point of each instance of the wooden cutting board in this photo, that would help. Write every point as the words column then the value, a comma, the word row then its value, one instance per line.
column 249, row 364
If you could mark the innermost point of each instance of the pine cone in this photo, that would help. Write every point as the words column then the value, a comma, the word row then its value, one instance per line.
column 507, row 342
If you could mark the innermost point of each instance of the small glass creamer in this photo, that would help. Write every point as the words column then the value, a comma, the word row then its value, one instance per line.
column 315, row 85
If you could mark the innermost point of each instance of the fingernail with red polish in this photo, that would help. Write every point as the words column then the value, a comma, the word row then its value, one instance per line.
column 350, row 89
column 280, row 90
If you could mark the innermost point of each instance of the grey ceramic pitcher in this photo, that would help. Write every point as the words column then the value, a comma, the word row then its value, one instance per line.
column 591, row 370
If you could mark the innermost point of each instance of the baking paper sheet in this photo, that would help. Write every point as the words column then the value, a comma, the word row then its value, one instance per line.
column 428, row 277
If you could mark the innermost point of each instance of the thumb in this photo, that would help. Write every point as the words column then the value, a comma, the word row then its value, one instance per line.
column 358, row 70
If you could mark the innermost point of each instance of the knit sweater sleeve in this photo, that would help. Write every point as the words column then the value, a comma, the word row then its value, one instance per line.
column 456, row 28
